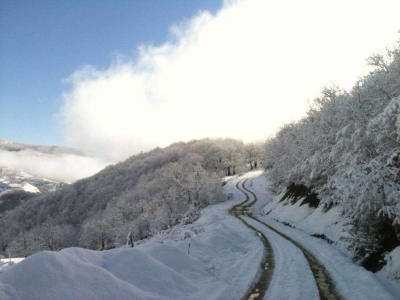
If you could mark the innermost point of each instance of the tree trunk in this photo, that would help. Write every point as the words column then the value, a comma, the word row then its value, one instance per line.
column 234, row 170
column 229, row 171
column 251, row 166
column 131, row 242
column 25, row 247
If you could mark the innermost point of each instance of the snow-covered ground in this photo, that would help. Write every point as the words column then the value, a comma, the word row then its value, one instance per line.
column 292, row 273
column 14, row 260
column 13, row 179
column 314, row 221
column 352, row 281
column 223, row 262
column 5, row 263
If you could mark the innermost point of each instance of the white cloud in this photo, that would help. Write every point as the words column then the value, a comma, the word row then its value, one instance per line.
column 240, row 73
column 58, row 167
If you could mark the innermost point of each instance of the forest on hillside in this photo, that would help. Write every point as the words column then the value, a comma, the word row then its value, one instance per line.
column 132, row 200
column 347, row 151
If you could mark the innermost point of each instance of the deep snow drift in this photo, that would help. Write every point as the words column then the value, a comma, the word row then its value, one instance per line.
column 223, row 262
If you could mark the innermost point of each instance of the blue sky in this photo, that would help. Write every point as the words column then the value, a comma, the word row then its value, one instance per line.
column 44, row 42
column 205, row 68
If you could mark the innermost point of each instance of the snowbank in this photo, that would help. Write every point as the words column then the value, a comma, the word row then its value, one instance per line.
column 393, row 264
column 314, row 221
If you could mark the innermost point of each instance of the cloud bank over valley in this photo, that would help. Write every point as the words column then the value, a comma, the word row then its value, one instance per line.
column 58, row 167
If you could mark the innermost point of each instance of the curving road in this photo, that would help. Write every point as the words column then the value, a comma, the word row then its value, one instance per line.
column 288, row 270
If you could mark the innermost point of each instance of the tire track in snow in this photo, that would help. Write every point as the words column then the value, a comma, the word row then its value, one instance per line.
column 292, row 278
column 267, row 265
column 324, row 282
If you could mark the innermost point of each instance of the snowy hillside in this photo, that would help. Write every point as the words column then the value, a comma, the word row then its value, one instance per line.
column 11, row 178
column 145, row 194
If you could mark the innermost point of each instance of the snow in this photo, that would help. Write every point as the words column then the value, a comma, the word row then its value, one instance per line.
column 14, row 259
column 223, row 262
column 57, row 275
column 352, row 281
column 154, row 276
column 5, row 263
column 393, row 263
column 48, row 180
column 15, row 185
column 14, row 180
column 291, row 213
column 27, row 187
column 391, row 285
column 314, row 221
column 292, row 272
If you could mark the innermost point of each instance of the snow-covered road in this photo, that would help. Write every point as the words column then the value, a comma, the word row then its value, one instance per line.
column 295, row 275
column 292, row 276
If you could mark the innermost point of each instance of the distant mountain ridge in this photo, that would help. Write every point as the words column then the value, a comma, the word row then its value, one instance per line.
column 16, row 147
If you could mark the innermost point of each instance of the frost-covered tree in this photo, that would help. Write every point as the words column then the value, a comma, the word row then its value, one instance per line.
column 233, row 156
column 47, row 237
column 347, row 149
column 97, row 234
column 253, row 153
